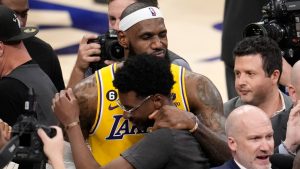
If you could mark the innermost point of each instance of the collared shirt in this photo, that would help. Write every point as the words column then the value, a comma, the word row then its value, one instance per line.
column 282, row 103
column 242, row 167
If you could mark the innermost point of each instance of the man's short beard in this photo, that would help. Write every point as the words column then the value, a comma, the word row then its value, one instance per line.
column 133, row 53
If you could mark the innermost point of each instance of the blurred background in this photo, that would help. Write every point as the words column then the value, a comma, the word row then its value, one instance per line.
column 194, row 31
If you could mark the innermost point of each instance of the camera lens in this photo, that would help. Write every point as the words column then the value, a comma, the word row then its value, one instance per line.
column 272, row 30
column 275, row 31
column 255, row 29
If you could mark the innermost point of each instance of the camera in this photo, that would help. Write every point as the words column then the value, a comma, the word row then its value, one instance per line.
column 30, row 146
column 110, row 49
column 281, row 22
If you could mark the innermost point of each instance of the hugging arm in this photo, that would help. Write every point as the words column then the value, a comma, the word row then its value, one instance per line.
column 206, row 103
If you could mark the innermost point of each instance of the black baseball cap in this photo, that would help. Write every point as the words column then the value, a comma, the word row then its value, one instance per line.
column 10, row 29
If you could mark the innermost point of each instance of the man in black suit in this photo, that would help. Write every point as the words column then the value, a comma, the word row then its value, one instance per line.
column 250, row 138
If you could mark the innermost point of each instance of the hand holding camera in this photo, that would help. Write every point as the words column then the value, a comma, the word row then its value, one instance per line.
column 53, row 147
column 25, row 146
column 111, row 50
column 30, row 146
column 86, row 53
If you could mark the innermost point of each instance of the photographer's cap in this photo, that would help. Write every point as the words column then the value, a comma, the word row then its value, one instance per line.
column 10, row 29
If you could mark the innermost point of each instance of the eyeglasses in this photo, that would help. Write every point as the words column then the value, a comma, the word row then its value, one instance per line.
column 134, row 108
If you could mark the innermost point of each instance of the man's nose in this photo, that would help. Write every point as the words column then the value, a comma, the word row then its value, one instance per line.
column 266, row 145
column 240, row 80
column 156, row 43
column 116, row 25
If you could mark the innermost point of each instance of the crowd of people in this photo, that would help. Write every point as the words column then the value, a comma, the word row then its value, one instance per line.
column 150, row 110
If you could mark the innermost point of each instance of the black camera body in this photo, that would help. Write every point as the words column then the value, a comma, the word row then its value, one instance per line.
column 110, row 49
column 281, row 22
column 30, row 146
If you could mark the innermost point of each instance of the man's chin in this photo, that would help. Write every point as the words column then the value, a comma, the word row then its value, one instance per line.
column 144, row 126
column 265, row 166
column 246, row 99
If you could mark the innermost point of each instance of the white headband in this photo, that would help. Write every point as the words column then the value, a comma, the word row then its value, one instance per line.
column 139, row 15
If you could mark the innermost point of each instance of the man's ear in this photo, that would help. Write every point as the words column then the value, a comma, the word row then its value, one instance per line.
column 292, row 93
column 122, row 38
column 231, row 143
column 158, row 101
column 275, row 76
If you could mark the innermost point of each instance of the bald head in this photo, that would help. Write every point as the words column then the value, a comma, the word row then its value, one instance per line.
column 244, row 116
column 295, row 75
column 250, row 137
column 294, row 87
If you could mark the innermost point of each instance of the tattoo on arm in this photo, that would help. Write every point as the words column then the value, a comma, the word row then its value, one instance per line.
column 207, row 103
column 86, row 94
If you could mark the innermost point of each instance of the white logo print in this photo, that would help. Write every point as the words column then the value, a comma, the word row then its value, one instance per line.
column 15, row 18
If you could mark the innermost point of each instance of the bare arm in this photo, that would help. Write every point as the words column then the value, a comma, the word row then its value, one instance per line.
column 53, row 147
column 206, row 104
column 86, row 95
column 81, row 105
column 285, row 78
column 66, row 109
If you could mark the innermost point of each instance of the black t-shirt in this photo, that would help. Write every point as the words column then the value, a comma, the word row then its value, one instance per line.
column 167, row 149
column 13, row 94
column 43, row 54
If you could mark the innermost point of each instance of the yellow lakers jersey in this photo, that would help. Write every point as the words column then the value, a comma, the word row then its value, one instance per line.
column 111, row 134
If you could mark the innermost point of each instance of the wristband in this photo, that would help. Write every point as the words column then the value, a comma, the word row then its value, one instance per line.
column 194, row 128
column 70, row 125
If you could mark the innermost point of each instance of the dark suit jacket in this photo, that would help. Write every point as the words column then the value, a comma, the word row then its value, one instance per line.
column 228, row 165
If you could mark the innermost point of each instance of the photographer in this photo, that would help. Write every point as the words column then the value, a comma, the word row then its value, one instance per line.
column 19, row 73
column 86, row 50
